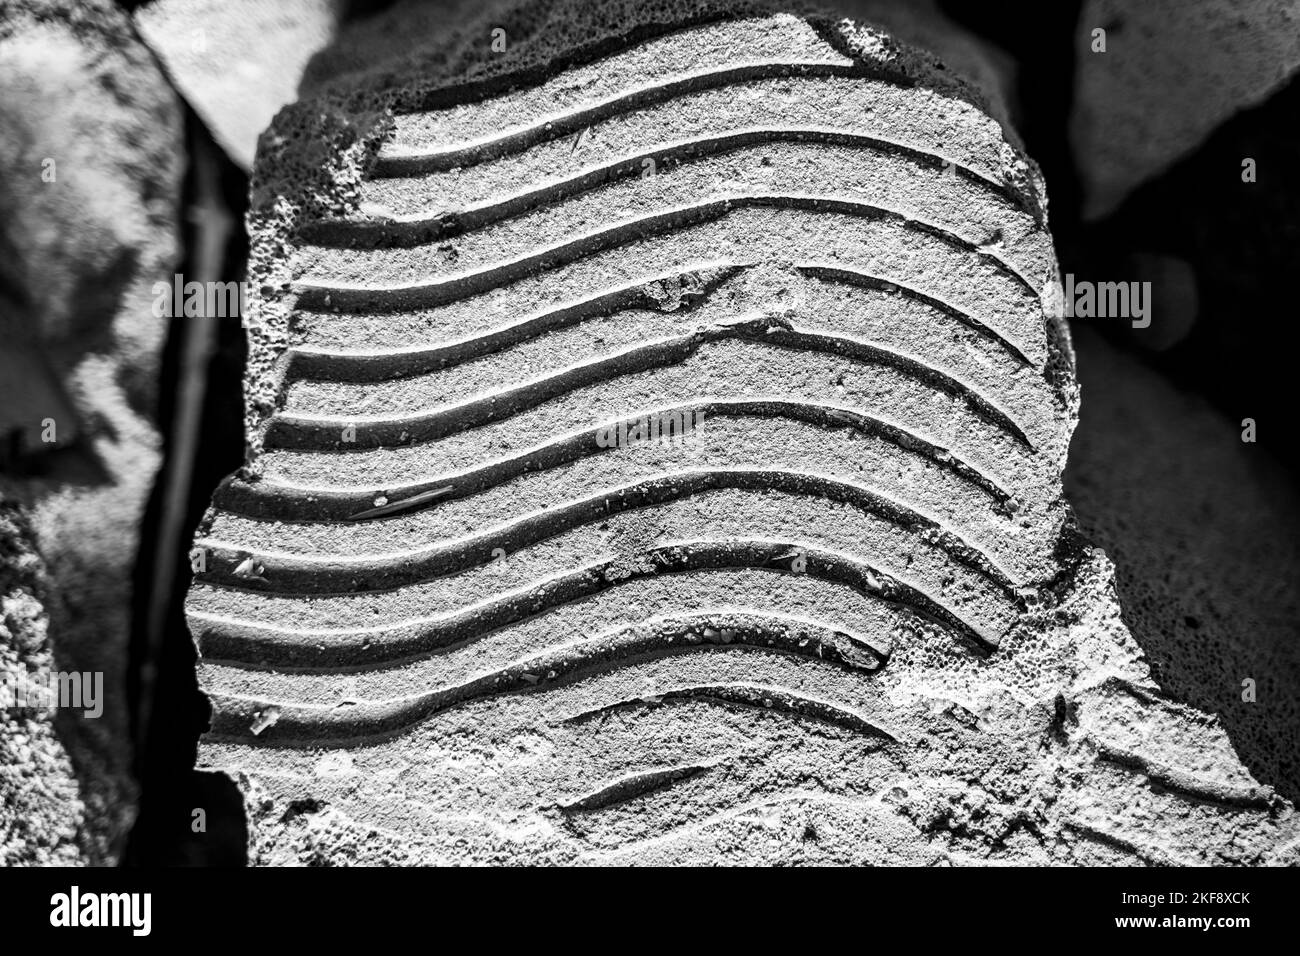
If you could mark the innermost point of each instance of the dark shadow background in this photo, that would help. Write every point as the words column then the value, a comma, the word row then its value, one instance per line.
column 171, row 789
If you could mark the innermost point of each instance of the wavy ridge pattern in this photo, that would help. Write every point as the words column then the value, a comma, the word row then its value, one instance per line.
column 223, row 640
column 840, row 314
column 297, row 430
column 401, row 289
column 316, row 726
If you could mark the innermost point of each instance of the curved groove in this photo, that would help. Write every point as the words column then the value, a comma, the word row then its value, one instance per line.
column 459, row 638
column 291, row 430
column 371, row 232
column 293, row 574
column 256, row 646
column 352, row 367
column 391, row 163
column 841, row 274
column 1151, row 856
column 361, row 368
column 277, row 502
column 316, row 726
column 756, row 696
column 1186, row 785
column 321, row 294
column 632, row 786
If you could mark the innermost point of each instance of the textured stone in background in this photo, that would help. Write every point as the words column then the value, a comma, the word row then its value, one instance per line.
column 1173, row 70
column 955, row 684
column 81, row 342
column 237, row 61
column 1204, row 531
column 42, row 816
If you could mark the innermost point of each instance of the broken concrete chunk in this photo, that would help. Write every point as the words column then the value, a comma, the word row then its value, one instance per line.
column 882, row 397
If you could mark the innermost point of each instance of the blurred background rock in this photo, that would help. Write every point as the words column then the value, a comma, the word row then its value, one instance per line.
column 90, row 172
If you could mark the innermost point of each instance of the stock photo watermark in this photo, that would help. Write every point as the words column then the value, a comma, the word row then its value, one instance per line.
column 1108, row 300
column 83, row 909
column 673, row 429
column 192, row 299
column 57, row 690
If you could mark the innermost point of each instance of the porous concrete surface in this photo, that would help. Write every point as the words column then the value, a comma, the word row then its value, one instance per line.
column 849, row 619
column 237, row 62
column 82, row 344
column 1173, row 70
column 42, row 816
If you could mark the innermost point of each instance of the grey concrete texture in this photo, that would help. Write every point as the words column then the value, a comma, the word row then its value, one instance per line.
column 1172, row 71
column 90, row 166
column 42, row 814
column 851, row 621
